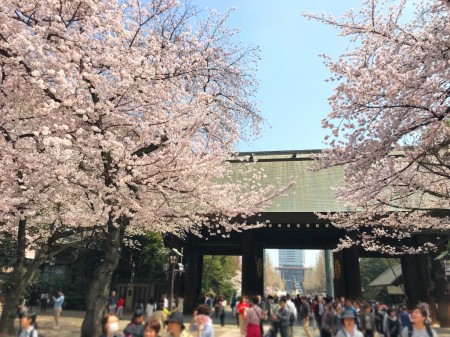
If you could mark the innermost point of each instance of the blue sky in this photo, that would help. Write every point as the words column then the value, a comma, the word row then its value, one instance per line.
column 292, row 93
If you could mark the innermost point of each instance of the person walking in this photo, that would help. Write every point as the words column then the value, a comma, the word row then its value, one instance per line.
column 120, row 304
column 337, row 318
column 367, row 321
column 222, row 304
column 381, row 319
column 33, row 300
column 209, row 301
column 27, row 325
column 405, row 319
column 393, row 325
column 269, row 306
column 318, row 314
column 275, row 321
column 233, row 304
column 313, row 310
column 349, row 306
column 283, row 316
column 327, row 328
column 57, row 307
column 420, row 326
column 150, row 308
column 275, row 306
column 304, row 314
column 44, row 301
column 175, row 325
column 136, row 327
column 140, row 305
column 110, row 326
column 160, row 315
column 152, row 328
column 242, row 308
column 112, row 302
column 253, row 320
column 293, row 311
column 216, row 306
column 202, row 322
column 166, row 302
column 349, row 329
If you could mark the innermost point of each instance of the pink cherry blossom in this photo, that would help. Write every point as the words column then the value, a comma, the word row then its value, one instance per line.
column 389, row 122
column 116, row 109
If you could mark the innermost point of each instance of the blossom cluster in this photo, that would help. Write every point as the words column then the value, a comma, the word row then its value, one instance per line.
column 115, row 109
column 389, row 120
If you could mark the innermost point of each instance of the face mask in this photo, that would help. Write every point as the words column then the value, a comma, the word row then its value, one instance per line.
column 113, row 327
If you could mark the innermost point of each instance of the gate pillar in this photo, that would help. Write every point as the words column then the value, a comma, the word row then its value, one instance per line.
column 193, row 279
column 347, row 278
column 252, row 265
column 416, row 278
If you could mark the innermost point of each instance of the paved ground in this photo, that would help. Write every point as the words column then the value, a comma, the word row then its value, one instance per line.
column 70, row 322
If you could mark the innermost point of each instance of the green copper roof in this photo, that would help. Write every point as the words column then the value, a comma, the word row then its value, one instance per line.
column 312, row 192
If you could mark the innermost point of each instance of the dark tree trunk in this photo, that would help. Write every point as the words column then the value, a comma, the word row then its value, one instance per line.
column 14, row 292
column 98, row 292
column 20, row 279
column 12, row 299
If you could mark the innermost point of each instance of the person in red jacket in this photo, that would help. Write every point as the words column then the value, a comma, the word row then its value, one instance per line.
column 120, row 303
column 242, row 308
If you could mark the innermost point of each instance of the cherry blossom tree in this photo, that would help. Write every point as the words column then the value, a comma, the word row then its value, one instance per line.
column 389, row 120
column 33, row 196
column 119, row 116
column 389, row 125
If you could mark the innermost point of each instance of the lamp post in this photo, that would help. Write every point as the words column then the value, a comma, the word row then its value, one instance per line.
column 176, row 267
column 51, row 264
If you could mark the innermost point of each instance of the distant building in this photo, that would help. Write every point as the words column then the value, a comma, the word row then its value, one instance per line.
column 291, row 266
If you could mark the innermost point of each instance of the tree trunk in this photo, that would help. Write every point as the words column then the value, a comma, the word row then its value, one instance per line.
column 20, row 279
column 12, row 299
column 14, row 292
column 98, row 292
column 9, row 311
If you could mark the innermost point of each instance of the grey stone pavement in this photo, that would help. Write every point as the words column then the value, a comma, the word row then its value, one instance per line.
column 70, row 323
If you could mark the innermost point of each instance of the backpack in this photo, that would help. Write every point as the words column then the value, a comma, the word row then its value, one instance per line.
column 379, row 317
column 393, row 327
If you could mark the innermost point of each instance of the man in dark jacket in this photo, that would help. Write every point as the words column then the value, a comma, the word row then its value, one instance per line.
column 304, row 313
column 112, row 302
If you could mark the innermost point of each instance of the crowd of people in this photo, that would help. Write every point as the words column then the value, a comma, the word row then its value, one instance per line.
column 159, row 323
column 337, row 317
